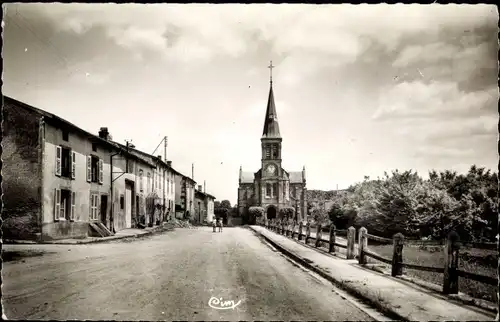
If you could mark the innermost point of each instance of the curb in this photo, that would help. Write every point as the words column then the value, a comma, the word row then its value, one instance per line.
column 384, row 309
column 461, row 297
column 96, row 241
column 474, row 303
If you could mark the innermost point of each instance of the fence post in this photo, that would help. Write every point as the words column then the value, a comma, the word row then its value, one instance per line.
column 318, row 235
column 451, row 249
column 351, row 235
column 308, row 231
column 397, row 255
column 362, row 245
column 331, row 244
column 301, row 224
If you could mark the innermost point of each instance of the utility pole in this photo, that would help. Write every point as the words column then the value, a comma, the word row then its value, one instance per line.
column 192, row 171
column 165, row 139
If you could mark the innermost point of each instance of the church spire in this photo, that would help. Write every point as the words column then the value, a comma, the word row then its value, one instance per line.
column 271, row 127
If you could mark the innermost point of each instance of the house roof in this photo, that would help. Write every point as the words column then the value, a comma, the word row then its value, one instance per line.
column 151, row 158
column 247, row 177
column 295, row 176
column 58, row 121
column 271, row 126
column 204, row 194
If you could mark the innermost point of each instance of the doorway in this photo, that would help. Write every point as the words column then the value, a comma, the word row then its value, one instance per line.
column 271, row 212
column 128, row 206
column 104, row 209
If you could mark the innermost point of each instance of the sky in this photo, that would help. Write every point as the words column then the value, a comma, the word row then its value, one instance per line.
column 359, row 89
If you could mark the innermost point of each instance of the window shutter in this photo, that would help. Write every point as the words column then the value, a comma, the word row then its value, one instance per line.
column 73, row 203
column 58, row 160
column 57, row 203
column 91, row 204
column 89, row 168
column 101, row 172
column 95, row 208
column 73, row 165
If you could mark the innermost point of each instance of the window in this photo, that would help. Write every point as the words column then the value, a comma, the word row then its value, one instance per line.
column 94, row 205
column 275, row 152
column 122, row 202
column 149, row 183
column 94, row 147
column 64, row 204
column 268, row 152
column 141, row 180
column 65, row 162
column 95, row 171
column 95, row 168
column 65, row 135
column 130, row 166
column 268, row 190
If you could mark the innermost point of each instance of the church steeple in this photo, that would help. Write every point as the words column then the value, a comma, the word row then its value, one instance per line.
column 271, row 126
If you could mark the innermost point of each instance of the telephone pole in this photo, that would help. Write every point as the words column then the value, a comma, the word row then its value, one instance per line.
column 165, row 141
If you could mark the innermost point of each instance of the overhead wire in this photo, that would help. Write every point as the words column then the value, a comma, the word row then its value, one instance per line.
column 29, row 27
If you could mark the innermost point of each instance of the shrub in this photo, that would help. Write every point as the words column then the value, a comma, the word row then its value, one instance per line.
column 256, row 211
column 286, row 212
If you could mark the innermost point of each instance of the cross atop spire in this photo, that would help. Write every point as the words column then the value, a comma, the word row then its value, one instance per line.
column 271, row 71
column 271, row 127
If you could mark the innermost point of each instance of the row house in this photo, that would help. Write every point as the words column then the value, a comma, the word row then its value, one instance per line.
column 184, row 196
column 60, row 181
column 204, row 206
column 156, row 192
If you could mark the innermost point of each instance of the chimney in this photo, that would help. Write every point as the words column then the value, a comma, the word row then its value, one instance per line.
column 104, row 133
column 169, row 163
column 199, row 187
column 159, row 157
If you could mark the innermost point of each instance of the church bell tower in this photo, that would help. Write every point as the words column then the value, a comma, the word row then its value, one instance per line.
column 271, row 138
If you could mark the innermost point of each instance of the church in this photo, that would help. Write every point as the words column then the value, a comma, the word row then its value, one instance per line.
column 272, row 187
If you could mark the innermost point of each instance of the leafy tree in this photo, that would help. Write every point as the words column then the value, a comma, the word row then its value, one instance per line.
column 223, row 208
column 256, row 211
column 287, row 212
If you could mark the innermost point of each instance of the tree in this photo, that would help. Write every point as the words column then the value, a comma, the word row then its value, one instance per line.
column 225, row 204
column 222, row 209
column 287, row 212
column 256, row 211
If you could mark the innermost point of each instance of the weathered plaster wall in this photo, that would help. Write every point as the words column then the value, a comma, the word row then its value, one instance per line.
column 21, row 173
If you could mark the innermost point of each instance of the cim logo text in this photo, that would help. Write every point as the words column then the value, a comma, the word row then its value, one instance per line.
column 219, row 304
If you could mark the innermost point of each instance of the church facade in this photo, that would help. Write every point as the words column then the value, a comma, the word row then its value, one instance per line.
column 272, row 187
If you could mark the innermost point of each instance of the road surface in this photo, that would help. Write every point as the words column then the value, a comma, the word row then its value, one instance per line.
column 171, row 276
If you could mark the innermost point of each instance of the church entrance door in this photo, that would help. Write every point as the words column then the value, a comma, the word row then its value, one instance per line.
column 271, row 212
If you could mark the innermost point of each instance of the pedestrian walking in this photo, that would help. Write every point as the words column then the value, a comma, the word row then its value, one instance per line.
column 213, row 224
column 219, row 224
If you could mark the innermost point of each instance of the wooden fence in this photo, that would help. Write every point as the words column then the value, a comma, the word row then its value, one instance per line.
column 452, row 245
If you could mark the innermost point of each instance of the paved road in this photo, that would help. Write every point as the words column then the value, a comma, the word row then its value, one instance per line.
column 170, row 276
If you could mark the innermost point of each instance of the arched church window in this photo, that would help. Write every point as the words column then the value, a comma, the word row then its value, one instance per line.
column 275, row 189
column 275, row 152
column 268, row 152
column 268, row 190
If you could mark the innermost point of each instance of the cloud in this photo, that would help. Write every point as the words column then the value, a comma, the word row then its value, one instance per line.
column 422, row 100
column 331, row 33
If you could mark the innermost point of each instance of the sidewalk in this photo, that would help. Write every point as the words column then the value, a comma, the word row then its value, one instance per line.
column 398, row 299
column 125, row 233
